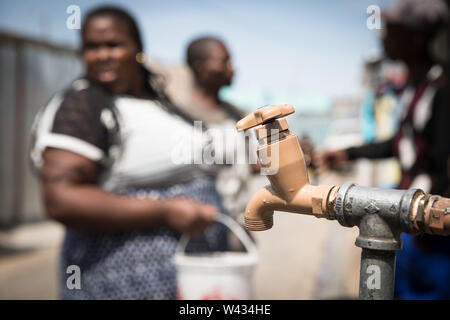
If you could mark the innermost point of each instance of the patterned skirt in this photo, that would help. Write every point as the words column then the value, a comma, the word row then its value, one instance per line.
column 136, row 265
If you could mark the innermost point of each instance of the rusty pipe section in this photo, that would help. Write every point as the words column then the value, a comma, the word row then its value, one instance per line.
column 432, row 215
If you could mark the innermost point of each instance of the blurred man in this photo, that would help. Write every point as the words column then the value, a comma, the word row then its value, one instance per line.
column 421, row 143
column 209, row 60
column 211, row 69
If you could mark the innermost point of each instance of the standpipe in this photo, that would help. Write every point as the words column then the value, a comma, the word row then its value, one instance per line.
column 380, row 214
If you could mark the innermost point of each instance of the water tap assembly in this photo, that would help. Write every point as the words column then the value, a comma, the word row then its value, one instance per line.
column 380, row 214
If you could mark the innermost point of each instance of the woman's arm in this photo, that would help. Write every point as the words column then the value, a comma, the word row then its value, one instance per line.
column 72, row 197
column 378, row 150
column 332, row 159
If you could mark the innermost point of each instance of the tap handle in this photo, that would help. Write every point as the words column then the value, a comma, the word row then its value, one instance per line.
column 264, row 115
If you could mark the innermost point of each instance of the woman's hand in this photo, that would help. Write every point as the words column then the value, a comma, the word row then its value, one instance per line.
column 188, row 216
column 332, row 159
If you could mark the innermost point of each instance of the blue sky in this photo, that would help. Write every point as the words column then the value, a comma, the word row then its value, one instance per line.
column 284, row 46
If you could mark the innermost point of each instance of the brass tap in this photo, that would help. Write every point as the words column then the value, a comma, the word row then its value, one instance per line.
column 283, row 162
column 289, row 190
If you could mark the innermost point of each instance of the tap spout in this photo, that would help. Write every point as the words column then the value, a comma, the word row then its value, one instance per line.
column 310, row 200
column 259, row 211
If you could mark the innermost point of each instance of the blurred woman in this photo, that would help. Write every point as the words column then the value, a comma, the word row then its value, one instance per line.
column 104, row 150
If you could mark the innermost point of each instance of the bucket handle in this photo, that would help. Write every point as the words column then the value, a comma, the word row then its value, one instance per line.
column 233, row 226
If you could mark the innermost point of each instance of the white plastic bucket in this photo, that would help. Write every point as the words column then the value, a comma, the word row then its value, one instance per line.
column 217, row 275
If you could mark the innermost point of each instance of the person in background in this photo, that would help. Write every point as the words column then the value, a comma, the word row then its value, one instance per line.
column 210, row 63
column 211, row 67
column 103, row 150
column 421, row 142
column 383, row 80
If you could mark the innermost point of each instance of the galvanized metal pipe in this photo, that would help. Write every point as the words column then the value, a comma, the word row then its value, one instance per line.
column 377, row 275
column 381, row 216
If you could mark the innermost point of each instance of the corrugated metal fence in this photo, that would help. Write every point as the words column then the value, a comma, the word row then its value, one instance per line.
column 31, row 71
